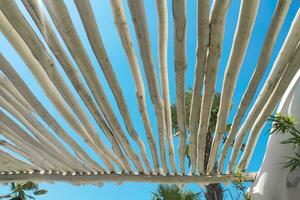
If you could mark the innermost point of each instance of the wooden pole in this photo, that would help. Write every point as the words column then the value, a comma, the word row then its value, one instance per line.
column 217, row 25
column 137, row 11
column 280, row 64
column 292, row 69
column 162, row 11
column 248, row 11
column 201, row 52
column 273, row 31
column 180, row 62
column 33, row 7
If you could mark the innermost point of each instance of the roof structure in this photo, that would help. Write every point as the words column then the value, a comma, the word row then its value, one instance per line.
column 37, row 147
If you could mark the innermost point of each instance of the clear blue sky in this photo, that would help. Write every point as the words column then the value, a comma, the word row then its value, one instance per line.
column 102, row 10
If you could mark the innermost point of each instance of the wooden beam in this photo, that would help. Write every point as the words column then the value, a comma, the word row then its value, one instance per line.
column 100, row 178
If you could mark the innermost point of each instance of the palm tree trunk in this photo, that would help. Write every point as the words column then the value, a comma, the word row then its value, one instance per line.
column 213, row 191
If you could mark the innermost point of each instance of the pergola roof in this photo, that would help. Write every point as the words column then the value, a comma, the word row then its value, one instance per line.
column 45, row 151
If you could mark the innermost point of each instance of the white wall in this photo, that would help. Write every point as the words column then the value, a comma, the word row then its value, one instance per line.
column 273, row 182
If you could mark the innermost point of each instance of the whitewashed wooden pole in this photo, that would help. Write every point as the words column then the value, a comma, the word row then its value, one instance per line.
column 123, row 31
column 137, row 11
column 13, row 163
column 89, row 22
column 51, row 91
column 217, row 25
column 54, row 86
column 20, row 152
column 7, row 69
column 4, row 82
column 292, row 69
column 20, row 137
column 180, row 62
column 270, row 39
column 46, row 139
column 48, row 151
column 283, row 58
column 29, row 148
column 201, row 52
column 162, row 11
column 247, row 16
column 62, row 20
column 33, row 7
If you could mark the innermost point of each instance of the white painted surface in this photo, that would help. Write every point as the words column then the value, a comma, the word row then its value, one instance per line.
column 273, row 182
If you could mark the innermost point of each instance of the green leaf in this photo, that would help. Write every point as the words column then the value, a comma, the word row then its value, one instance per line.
column 40, row 192
column 29, row 186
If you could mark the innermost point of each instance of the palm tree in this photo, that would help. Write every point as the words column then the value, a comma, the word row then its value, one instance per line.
column 212, row 191
column 21, row 191
column 174, row 192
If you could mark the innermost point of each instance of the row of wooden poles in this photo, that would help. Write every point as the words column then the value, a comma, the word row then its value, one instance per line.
column 46, row 153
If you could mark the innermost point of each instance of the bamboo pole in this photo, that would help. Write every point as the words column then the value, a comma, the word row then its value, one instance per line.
column 33, row 7
column 248, row 11
column 121, row 24
column 273, row 31
column 217, row 25
column 180, row 62
column 162, row 12
column 44, row 114
column 201, row 52
column 62, row 20
column 52, row 83
column 292, row 69
column 94, row 179
column 284, row 56
column 137, row 11
column 89, row 22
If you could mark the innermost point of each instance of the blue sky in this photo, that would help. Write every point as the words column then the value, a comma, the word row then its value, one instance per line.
column 103, row 13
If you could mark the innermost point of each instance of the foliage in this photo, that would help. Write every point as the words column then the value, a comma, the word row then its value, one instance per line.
column 188, row 100
column 174, row 192
column 286, row 124
column 213, row 191
column 293, row 162
column 240, row 186
column 283, row 123
column 21, row 191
